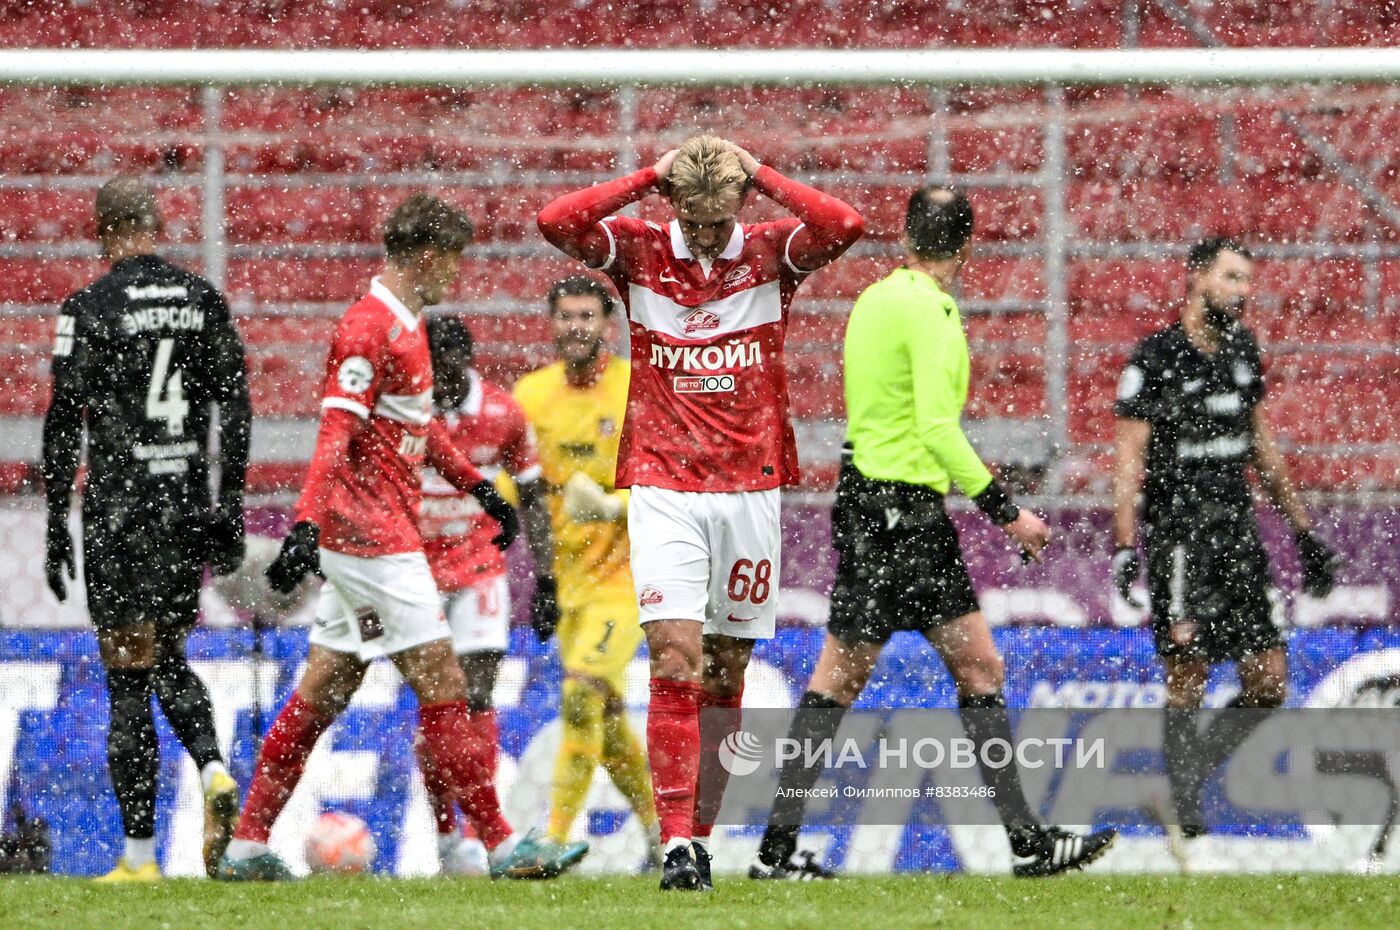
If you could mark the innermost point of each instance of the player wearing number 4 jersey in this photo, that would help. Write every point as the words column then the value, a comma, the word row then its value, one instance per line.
column 144, row 354
column 357, row 521
column 707, row 441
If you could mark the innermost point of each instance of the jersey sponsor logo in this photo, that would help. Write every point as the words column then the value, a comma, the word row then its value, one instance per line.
column 650, row 595
column 579, row 449
column 157, row 292
column 703, row 384
column 734, row 619
column 135, row 321
column 1130, row 383
column 63, row 341
column 1222, row 447
column 355, row 375
column 667, row 278
column 1224, row 403
column 737, row 275
column 699, row 321
column 735, row 354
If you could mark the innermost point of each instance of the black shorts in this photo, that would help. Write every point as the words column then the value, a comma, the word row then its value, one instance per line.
column 143, row 566
column 1208, row 581
column 900, row 567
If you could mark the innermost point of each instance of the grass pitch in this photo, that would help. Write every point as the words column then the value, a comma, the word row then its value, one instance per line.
column 945, row 902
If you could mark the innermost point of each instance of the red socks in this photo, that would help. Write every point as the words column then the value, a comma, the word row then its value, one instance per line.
column 457, row 751
column 673, row 749
column 483, row 746
column 280, row 766
column 719, row 717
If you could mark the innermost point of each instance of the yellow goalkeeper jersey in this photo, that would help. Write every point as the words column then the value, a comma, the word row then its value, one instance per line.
column 578, row 429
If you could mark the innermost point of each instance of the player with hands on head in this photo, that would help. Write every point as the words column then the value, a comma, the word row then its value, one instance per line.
column 707, row 442
column 465, row 547
column 1190, row 422
column 576, row 406
column 143, row 356
column 357, row 519
column 900, row 562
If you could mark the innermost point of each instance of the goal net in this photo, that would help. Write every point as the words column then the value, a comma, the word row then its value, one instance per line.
column 1087, row 198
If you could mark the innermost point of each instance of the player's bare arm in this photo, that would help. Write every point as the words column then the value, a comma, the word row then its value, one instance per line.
column 1129, row 455
column 1130, row 452
column 1273, row 475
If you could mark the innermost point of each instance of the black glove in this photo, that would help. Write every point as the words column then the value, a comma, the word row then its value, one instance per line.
column 500, row 510
column 1126, row 568
column 300, row 555
column 224, row 538
column 59, row 557
column 1319, row 563
column 544, row 607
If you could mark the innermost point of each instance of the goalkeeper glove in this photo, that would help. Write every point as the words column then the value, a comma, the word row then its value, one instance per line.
column 1126, row 568
column 500, row 510
column 1319, row 563
column 544, row 607
column 300, row 555
column 586, row 501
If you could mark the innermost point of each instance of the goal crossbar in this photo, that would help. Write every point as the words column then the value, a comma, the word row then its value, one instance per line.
column 680, row 67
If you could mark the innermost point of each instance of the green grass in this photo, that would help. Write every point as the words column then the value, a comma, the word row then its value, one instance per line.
column 1078, row 901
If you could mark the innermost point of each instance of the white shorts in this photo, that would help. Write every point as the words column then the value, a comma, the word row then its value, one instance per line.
column 379, row 606
column 479, row 616
column 707, row 556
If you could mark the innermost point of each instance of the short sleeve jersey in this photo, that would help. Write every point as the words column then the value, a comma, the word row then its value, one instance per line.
column 378, row 369
column 708, row 404
column 1201, row 409
column 579, row 428
column 490, row 429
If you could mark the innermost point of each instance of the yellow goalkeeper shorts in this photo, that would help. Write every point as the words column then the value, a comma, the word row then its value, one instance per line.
column 599, row 639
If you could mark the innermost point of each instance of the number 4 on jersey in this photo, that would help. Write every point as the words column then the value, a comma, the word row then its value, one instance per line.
column 165, row 399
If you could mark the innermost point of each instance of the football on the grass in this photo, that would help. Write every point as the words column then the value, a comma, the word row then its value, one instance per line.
column 339, row 843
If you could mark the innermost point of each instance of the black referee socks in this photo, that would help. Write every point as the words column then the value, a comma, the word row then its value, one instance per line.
column 133, row 757
column 817, row 719
column 984, row 718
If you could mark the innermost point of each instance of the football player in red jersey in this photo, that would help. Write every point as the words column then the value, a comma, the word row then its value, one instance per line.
column 486, row 423
column 357, row 525
column 707, row 442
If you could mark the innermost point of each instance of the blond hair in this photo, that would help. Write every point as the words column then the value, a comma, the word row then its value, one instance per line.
column 705, row 176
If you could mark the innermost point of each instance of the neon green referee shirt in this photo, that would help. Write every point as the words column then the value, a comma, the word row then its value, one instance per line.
column 906, row 384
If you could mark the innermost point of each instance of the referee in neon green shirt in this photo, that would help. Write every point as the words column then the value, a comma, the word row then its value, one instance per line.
column 901, row 567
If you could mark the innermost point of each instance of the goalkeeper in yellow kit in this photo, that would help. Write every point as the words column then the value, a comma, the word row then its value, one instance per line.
column 576, row 407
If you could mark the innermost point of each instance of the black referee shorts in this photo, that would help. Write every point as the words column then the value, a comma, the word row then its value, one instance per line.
column 143, row 565
column 1208, row 582
column 900, row 567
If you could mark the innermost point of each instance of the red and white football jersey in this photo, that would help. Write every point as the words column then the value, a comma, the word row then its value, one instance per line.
column 707, row 408
column 378, row 369
column 491, row 430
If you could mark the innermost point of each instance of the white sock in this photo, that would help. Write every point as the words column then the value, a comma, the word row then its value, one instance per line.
column 675, row 841
column 206, row 774
column 246, row 849
column 506, row 847
column 139, row 852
